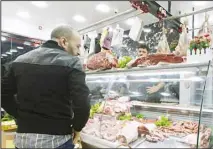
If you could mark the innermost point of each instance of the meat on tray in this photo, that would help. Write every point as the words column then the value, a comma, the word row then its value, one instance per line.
column 204, row 137
column 156, row 135
column 154, row 59
column 102, row 61
column 128, row 133
column 182, row 128
column 113, row 107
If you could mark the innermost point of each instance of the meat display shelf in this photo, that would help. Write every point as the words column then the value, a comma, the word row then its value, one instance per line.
column 167, row 143
column 174, row 107
column 156, row 67
column 170, row 142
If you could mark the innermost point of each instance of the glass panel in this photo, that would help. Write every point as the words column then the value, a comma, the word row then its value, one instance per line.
column 140, row 97
column 206, row 118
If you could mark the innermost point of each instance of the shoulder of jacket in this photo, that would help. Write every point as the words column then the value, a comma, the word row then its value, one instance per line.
column 73, row 62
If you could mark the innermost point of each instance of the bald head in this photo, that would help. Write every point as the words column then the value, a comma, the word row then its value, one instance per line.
column 63, row 31
column 67, row 38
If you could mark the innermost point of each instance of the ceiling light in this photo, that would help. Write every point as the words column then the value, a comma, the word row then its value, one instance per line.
column 3, row 39
column 79, row 18
column 130, row 21
column 19, row 47
column 102, row 8
column 147, row 30
column 4, row 55
column 23, row 14
column 40, row 4
column 13, row 50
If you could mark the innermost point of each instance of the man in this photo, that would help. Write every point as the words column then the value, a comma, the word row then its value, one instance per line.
column 51, row 92
column 142, row 50
column 149, row 90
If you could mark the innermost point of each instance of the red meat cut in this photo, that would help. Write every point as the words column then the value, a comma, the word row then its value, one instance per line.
column 102, row 61
column 154, row 59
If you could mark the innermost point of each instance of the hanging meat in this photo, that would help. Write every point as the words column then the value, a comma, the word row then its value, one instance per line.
column 163, row 46
column 102, row 61
column 183, row 43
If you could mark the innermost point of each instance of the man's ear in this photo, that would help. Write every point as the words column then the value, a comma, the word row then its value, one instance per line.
column 63, row 42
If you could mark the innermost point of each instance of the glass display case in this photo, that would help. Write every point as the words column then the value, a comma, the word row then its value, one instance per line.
column 155, row 106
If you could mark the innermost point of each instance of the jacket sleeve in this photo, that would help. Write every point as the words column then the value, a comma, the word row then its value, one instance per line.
column 80, row 98
column 8, row 90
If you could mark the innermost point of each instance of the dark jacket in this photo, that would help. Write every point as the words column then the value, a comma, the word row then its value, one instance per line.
column 51, row 91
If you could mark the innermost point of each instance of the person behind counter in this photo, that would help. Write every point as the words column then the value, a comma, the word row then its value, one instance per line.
column 150, row 90
column 51, row 91
column 142, row 51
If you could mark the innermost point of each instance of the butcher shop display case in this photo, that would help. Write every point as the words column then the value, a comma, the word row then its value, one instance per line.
column 156, row 106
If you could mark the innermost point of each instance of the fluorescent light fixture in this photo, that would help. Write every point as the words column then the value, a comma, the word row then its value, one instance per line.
column 23, row 14
column 4, row 55
column 130, row 21
column 9, row 53
column 147, row 30
column 19, row 47
column 40, row 4
column 13, row 50
column 79, row 18
column 103, row 8
column 3, row 39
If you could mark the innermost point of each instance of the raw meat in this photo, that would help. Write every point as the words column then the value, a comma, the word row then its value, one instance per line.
column 154, row 59
column 156, row 135
column 102, row 61
column 143, row 130
column 203, row 138
column 110, row 129
column 183, row 43
column 126, row 136
column 92, row 127
column 114, row 107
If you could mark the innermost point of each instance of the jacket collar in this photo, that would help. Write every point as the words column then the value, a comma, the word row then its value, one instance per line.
column 52, row 44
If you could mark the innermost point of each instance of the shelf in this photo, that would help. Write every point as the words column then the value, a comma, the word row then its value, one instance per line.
column 156, row 67
column 101, row 143
column 174, row 107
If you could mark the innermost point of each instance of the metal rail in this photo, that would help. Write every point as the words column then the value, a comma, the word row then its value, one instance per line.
column 189, row 14
column 111, row 20
column 128, row 14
